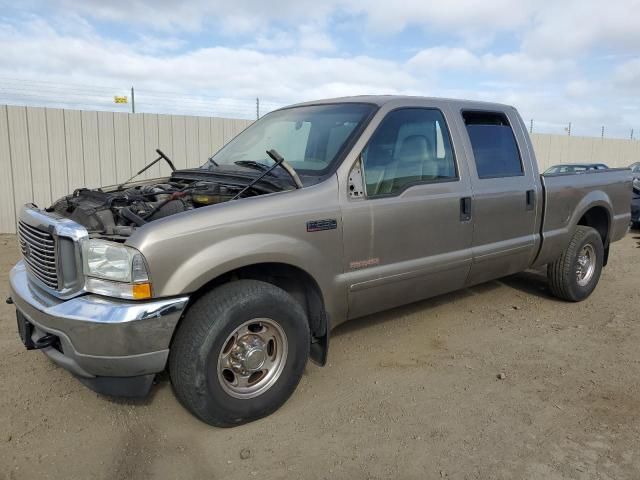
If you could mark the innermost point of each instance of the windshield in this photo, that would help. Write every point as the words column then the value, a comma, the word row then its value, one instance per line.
column 310, row 138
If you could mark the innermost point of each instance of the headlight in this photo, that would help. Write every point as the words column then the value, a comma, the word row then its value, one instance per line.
column 115, row 270
column 636, row 184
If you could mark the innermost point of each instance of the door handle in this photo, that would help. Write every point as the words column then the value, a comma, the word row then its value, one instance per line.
column 531, row 199
column 465, row 209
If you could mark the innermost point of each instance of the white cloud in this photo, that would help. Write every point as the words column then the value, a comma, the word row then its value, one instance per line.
column 307, row 38
column 456, row 16
column 35, row 51
column 314, row 38
column 545, row 27
column 540, row 55
column 579, row 89
column 436, row 58
column 578, row 26
column 237, row 16
column 627, row 76
column 381, row 15
column 158, row 44
column 273, row 41
column 518, row 65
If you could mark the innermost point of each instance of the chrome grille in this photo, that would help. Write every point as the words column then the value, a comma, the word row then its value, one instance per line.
column 39, row 252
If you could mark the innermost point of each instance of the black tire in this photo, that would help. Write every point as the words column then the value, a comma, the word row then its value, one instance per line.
column 562, row 276
column 197, row 344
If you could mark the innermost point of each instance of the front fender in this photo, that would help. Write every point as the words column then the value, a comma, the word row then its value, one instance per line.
column 186, row 251
column 233, row 253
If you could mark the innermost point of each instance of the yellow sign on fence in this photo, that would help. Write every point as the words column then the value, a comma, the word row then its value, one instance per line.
column 118, row 99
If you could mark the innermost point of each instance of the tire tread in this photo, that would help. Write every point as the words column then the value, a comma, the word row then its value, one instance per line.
column 560, row 272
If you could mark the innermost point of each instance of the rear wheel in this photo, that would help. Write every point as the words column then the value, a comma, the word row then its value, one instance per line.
column 575, row 274
column 239, row 353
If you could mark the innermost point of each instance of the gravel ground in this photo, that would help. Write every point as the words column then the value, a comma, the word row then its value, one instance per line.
column 499, row 381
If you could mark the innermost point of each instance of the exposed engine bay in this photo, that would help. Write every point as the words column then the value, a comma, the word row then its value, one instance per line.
column 116, row 212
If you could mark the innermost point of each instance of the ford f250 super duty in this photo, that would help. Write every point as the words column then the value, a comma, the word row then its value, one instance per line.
column 231, row 275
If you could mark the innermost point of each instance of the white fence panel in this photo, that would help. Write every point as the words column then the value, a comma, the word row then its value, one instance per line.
column 74, row 147
column 7, row 204
column 91, row 150
column 39, row 156
column 57, row 151
column 19, row 155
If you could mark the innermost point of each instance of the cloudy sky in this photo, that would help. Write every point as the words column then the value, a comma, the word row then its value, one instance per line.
column 558, row 62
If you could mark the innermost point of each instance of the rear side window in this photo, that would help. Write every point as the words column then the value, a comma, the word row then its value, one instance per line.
column 494, row 145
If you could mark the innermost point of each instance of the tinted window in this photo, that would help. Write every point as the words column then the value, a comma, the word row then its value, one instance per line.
column 410, row 146
column 494, row 145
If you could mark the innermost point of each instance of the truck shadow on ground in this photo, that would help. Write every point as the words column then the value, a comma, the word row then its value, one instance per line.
column 161, row 382
column 531, row 282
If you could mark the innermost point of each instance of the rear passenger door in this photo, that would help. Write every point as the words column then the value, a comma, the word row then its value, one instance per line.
column 505, row 194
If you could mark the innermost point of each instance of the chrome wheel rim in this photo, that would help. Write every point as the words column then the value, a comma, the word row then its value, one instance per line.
column 586, row 265
column 252, row 358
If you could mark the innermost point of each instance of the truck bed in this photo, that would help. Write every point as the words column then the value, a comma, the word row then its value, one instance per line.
column 568, row 196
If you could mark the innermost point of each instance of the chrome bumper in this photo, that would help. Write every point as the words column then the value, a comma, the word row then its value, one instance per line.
column 99, row 337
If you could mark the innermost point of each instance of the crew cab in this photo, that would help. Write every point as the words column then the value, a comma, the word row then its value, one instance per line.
column 232, row 275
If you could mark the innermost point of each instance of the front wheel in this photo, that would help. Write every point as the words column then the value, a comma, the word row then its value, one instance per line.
column 575, row 274
column 239, row 353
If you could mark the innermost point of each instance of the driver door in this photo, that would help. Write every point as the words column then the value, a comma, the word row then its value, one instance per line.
column 408, row 237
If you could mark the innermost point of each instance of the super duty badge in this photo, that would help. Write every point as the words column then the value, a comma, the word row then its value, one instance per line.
column 319, row 225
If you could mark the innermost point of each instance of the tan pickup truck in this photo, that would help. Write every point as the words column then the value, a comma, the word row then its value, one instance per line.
column 232, row 275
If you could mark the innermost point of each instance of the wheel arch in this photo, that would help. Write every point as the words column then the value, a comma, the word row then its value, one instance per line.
column 296, row 281
column 598, row 217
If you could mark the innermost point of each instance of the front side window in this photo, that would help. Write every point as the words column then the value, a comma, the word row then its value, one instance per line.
column 494, row 145
column 410, row 146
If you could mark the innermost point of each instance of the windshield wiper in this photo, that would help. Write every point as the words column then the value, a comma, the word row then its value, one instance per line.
column 252, row 164
column 280, row 162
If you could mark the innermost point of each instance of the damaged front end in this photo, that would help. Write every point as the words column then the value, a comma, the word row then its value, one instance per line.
column 115, row 212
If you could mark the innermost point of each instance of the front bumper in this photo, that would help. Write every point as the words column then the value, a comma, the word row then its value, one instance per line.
column 101, row 339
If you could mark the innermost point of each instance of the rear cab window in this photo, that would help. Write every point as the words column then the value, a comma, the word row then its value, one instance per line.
column 494, row 146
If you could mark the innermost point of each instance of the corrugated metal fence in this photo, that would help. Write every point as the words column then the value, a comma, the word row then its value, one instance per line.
column 554, row 149
column 46, row 153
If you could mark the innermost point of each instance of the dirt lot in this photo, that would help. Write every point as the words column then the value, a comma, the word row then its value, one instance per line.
column 410, row 393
